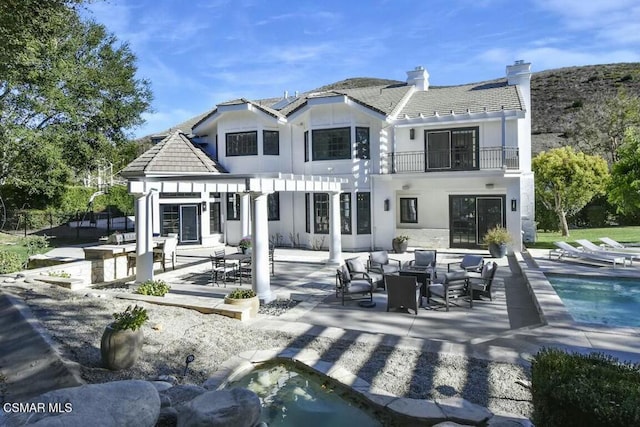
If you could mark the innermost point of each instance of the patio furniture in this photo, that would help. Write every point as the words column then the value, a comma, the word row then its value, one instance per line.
column 593, row 248
column 565, row 250
column 346, row 286
column 379, row 261
column 221, row 270
column 422, row 275
column 424, row 258
column 470, row 262
column 402, row 292
column 610, row 243
column 358, row 270
column 453, row 286
column 167, row 250
column 481, row 285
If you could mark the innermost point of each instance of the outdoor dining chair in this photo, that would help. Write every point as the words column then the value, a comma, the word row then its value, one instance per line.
column 402, row 292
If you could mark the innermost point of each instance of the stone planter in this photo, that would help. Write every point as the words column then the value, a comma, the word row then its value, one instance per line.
column 120, row 349
column 400, row 247
column 253, row 303
column 498, row 250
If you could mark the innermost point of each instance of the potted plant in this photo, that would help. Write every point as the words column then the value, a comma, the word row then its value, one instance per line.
column 496, row 239
column 245, row 244
column 400, row 244
column 244, row 297
column 121, row 341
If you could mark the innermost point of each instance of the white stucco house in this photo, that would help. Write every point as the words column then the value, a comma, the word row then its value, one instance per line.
column 350, row 168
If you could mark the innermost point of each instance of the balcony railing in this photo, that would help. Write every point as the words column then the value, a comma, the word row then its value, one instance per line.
column 453, row 160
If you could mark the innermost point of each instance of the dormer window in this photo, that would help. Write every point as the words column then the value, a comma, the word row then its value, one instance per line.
column 270, row 142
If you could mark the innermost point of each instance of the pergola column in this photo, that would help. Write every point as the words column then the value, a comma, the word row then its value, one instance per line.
column 245, row 221
column 335, row 237
column 260, row 278
column 144, row 237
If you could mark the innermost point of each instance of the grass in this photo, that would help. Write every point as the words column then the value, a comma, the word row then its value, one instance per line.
column 621, row 234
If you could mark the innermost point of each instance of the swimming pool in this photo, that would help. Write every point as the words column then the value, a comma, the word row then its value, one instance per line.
column 599, row 300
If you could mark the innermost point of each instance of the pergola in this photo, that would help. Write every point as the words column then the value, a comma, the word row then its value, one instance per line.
column 253, row 190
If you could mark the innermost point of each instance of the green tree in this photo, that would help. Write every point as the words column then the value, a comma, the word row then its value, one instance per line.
column 599, row 127
column 66, row 99
column 624, row 191
column 566, row 181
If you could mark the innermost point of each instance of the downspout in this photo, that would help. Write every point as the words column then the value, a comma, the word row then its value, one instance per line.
column 504, row 140
column 293, row 194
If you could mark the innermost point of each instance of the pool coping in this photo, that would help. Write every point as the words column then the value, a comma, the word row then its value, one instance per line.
column 402, row 409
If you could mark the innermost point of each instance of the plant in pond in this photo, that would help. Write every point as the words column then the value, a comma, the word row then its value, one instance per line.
column 156, row 288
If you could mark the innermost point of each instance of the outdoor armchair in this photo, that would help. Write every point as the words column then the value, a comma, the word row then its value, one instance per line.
column 424, row 259
column 358, row 270
column 452, row 287
column 470, row 262
column 346, row 286
column 379, row 261
column 402, row 292
column 482, row 285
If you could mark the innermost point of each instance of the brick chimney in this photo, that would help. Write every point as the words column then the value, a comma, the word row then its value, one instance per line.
column 418, row 77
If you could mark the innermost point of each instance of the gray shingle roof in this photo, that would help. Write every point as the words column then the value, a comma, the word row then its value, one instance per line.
column 494, row 96
column 175, row 154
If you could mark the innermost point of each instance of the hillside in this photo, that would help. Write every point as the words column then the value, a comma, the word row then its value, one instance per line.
column 556, row 95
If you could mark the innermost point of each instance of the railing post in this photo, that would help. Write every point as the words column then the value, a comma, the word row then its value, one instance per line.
column 393, row 162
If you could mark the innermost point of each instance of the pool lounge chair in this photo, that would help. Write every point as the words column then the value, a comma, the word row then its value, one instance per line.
column 565, row 250
column 593, row 248
column 610, row 243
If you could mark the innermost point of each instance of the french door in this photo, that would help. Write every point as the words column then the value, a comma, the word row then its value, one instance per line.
column 189, row 226
column 471, row 216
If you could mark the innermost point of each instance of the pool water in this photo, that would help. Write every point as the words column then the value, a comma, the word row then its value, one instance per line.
column 603, row 301
column 291, row 397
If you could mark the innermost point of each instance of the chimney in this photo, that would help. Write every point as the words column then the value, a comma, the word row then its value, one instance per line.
column 520, row 74
column 418, row 77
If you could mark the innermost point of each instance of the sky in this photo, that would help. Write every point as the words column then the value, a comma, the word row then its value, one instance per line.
column 198, row 53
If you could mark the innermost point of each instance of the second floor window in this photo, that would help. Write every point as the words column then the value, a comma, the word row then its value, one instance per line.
column 270, row 142
column 242, row 144
column 362, row 143
column 331, row 144
column 452, row 149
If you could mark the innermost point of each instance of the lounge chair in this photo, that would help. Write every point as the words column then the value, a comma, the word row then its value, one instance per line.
column 346, row 286
column 610, row 243
column 402, row 292
column 592, row 247
column 565, row 250
column 470, row 262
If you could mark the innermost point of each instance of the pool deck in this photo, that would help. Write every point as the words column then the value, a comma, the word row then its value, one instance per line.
column 511, row 328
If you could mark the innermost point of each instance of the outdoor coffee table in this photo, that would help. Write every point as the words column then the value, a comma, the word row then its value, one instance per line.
column 422, row 275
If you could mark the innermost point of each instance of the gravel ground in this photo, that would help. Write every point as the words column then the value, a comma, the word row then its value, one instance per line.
column 76, row 321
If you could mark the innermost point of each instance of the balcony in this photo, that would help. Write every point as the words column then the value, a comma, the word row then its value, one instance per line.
column 460, row 159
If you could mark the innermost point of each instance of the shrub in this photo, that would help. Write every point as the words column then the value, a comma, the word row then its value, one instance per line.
column 156, row 288
column 584, row 390
column 10, row 262
column 400, row 239
column 497, row 235
column 242, row 294
column 131, row 318
column 35, row 243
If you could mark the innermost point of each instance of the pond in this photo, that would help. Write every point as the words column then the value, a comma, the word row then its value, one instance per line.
column 293, row 397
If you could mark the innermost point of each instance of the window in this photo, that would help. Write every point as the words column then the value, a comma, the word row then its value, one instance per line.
column 306, row 145
column 331, row 144
column 307, row 223
column 242, row 144
column 452, row 149
column 179, row 195
column 169, row 219
column 273, row 206
column 270, row 142
column 363, row 213
column 215, row 224
column 409, row 209
column 321, row 213
column 233, row 207
column 345, row 213
column 362, row 143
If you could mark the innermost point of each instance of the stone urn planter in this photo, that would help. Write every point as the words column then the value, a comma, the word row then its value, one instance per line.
column 121, row 342
column 400, row 244
column 498, row 250
column 244, row 298
column 496, row 240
